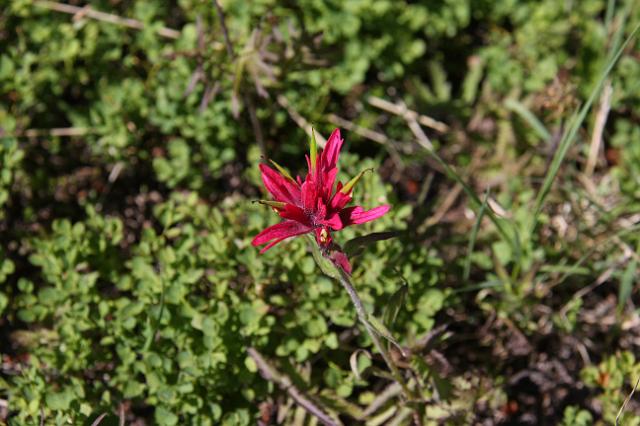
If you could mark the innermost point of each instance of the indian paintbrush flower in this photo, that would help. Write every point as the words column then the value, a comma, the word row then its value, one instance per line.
column 314, row 205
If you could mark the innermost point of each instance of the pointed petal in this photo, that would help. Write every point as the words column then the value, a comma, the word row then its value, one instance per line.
column 329, row 156
column 328, row 179
column 271, row 244
column 309, row 194
column 333, row 221
column 321, row 209
column 282, row 189
column 279, row 232
column 339, row 200
column 309, row 164
column 292, row 212
column 356, row 215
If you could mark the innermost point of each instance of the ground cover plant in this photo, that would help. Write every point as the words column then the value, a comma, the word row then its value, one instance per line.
column 500, row 285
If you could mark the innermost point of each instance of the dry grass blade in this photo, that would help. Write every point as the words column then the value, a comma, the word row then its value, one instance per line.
column 121, row 415
column 300, row 120
column 570, row 135
column 391, row 391
column 626, row 401
column 378, row 137
column 442, row 210
column 598, row 128
column 99, row 419
column 423, row 140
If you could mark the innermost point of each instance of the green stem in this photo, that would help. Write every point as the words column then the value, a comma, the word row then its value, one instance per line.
column 345, row 280
column 332, row 271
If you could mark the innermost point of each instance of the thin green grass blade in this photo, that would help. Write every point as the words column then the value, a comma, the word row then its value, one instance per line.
column 616, row 39
column 483, row 285
column 528, row 117
column 608, row 16
column 394, row 305
column 154, row 330
column 474, row 236
column 562, row 268
column 356, row 246
column 576, row 267
column 627, row 281
column 513, row 241
column 570, row 135
column 626, row 284
column 383, row 331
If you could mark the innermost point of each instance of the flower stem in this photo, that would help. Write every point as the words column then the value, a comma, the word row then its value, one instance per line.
column 332, row 271
column 345, row 280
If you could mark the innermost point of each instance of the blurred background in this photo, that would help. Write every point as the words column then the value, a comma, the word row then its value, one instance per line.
column 130, row 138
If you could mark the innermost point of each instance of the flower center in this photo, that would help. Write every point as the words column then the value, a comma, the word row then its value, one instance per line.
column 324, row 235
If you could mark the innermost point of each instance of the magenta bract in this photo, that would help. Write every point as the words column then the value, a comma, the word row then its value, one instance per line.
column 313, row 205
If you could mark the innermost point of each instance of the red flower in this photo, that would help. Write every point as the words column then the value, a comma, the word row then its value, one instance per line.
column 313, row 205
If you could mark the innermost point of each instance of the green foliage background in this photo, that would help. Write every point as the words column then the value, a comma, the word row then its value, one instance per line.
column 126, row 271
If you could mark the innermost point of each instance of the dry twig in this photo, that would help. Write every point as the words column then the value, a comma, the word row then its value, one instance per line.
column 401, row 110
column 602, row 278
column 88, row 12
column 271, row 374
column 442, row 210
column 121, row 416
column 381, row 138
column 60, row 131
column 378, row 137
column 391, row 391
column 98, row 420
column 300, row 120
column 248, row 102
column 626, row 401
column 413, row 124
